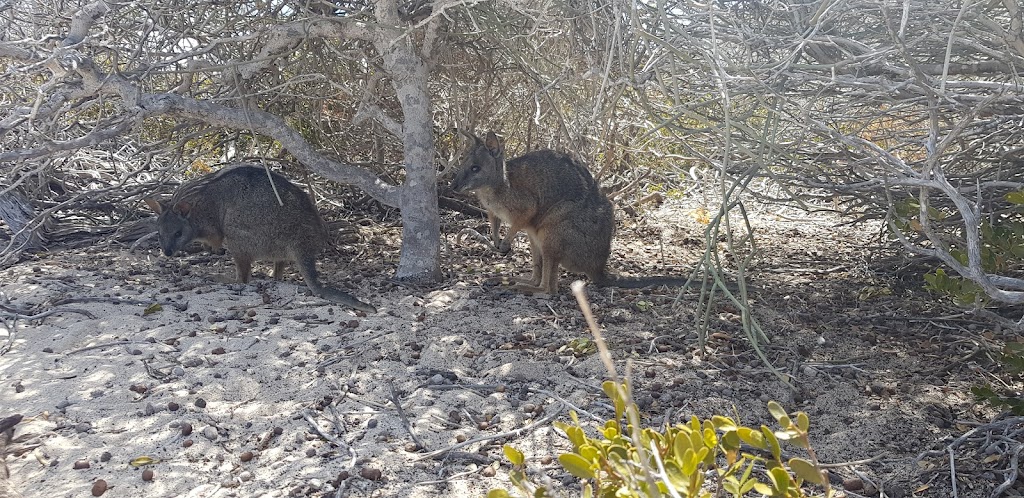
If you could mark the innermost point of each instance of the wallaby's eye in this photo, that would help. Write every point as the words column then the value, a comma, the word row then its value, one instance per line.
column 475, row 168
column 177, row 234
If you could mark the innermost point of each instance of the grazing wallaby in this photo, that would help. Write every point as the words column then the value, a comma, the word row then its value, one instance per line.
column 6, row 436
column 238, row 208
column 556, row 200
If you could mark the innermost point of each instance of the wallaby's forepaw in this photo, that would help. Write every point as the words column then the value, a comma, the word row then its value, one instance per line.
column 504, row 248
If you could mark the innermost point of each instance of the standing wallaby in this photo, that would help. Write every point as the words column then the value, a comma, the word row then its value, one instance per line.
column 556, row 200
column 238, row 208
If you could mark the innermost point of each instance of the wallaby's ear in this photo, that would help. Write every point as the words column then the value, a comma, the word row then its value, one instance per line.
column 154, row 205
column 494, row 144
column 182, row 208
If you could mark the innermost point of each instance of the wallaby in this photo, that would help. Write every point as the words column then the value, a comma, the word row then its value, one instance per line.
column 238, row 208
column 554, row 198
column 6, row 436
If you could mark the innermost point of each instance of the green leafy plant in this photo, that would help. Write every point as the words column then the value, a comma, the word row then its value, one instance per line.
column 627, row 461
column 1001, row 246
column 1012, row 360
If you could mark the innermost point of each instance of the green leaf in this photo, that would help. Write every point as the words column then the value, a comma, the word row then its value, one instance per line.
column 773, row 442
column 576, row 465
column 1015, row 197
column 806, row 470
column 515, row 456
column 153, row 308
column 752, row 437
column 802, row 421
column 776, row 410
column 731, row 440
column 780, row 480
column 724, row 424
column 498, row 493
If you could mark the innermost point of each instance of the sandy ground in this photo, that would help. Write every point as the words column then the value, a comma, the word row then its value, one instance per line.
column 263, row 390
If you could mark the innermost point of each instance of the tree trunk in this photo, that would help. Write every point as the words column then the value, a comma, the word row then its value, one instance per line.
column 421, row 221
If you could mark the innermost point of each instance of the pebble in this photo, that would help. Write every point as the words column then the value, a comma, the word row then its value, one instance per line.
column 178, row 371
column 81, row 464
column 210, row 433
column 83, row 427
column 245, row 456
column 200, row 403
column 245, row 476
column 106, row 456
column 186, row 428
column 370, row 473
column 99, row 487
column 147, row 475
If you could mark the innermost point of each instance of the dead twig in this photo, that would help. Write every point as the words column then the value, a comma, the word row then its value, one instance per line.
column 401, row 414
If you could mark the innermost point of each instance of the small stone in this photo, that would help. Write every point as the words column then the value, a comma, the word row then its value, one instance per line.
column 106, row 456
column 172, row 406
column 278, row 431
column 99, row 487
column 546, row 460
column 186, row 428
column 371, row 424
column 147, row 475
column 853, row 484
column 209, row 432
column 245, row 476
column 370, row 473
column 218, row 351
column 529, row 407
column 83, row 427
column 411, row 447
column 186, row 443
column 178, row 371
column 81, row 464
column 47, row 350
column 200, row 403
column 310, row 452
column 138, row 388
column 245, row 456
column 149, row 409
column 460, row 438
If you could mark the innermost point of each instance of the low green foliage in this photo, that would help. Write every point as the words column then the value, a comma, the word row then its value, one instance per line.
column 1012, row 360
column 626, row 461
column 1002, row 246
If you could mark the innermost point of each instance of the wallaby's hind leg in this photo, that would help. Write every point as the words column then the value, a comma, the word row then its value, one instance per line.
column 538, row 265
column 279, row 269
column 548, row 281
column 243, row 268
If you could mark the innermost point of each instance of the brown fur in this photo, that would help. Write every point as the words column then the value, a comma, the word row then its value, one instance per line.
column 237, row 208
column 554, row 198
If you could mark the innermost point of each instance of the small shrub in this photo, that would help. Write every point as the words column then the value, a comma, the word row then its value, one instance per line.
column 1012, row 360
column 626, row 461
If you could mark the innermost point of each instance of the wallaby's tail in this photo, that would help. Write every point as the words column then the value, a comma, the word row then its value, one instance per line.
column 6, row 435
column 308, row 270
column 639, row 282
